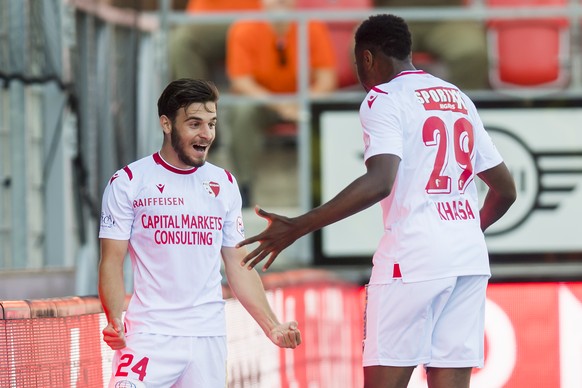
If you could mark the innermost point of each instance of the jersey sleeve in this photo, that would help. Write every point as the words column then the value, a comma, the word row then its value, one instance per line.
column 486, row 154
column 116, row 210
column 233, row 230
column 381, row 125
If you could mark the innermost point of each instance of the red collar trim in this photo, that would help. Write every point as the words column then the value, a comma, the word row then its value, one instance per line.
column 377, row 90
column 158, row 159
column 407, row 72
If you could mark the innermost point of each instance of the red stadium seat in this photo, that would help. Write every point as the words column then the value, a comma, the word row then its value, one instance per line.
column 342, row 34
column 283, row 130
column 528, row 53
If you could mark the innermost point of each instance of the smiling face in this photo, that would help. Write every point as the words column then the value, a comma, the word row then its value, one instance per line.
column 190, row 135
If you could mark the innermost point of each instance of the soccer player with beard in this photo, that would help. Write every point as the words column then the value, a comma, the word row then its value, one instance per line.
column 177, row 215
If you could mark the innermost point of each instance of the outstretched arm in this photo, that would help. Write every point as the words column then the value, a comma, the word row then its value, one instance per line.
column 112, row 290
column 362, row 193
column 500, row 196
column 248, row 288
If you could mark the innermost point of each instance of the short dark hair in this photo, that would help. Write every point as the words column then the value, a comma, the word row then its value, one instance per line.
column 387, row 33
column 183, row 92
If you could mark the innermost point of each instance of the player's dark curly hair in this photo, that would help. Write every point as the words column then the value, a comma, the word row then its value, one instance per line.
column 386, row 33
column 183, row 92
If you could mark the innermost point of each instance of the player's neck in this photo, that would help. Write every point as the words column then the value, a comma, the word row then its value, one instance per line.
column 172, row 159
column 400, row 66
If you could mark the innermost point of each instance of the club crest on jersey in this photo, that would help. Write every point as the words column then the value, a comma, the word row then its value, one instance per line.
column 212, row 188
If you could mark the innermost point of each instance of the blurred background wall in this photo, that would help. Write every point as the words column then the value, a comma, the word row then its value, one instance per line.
column 79, row 83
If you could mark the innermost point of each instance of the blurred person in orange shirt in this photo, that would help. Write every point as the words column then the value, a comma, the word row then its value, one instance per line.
column 261, row 61
column 196, row 50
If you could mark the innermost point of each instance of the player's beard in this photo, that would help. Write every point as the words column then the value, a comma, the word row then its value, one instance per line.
column 180, row 148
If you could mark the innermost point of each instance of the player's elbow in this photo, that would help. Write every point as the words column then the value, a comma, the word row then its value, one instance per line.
column 503, row 198
column 508, row 193
column 377, row 188
column 383, row 189
column 381, row 174
column 501, row 183
column 511, row 195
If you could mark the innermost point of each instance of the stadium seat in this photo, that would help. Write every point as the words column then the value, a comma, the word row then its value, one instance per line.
column 342, row 35
column 283, row 132
column 528, row 53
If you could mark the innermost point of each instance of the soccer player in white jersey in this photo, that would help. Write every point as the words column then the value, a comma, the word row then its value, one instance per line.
column 177, row 215
column 424, row 143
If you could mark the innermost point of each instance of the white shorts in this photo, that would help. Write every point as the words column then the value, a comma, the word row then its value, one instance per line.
column 161, row 361
column 438, row 323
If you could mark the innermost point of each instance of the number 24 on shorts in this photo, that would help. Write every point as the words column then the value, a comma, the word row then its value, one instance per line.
column 126, row 361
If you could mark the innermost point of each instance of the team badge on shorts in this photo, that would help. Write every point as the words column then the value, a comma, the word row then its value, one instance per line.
column 128, row 384
column 212, row 188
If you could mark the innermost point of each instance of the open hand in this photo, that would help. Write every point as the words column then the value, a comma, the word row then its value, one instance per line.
column 279, row 234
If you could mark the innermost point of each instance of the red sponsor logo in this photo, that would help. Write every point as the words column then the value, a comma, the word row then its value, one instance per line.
column 441, row 99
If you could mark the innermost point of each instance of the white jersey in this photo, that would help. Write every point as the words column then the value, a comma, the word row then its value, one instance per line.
column 431, row 217
column 176, row 222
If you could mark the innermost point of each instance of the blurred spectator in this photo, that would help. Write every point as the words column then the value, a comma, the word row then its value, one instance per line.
column 460, row 45
column 197, row 50
column 261, row 60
